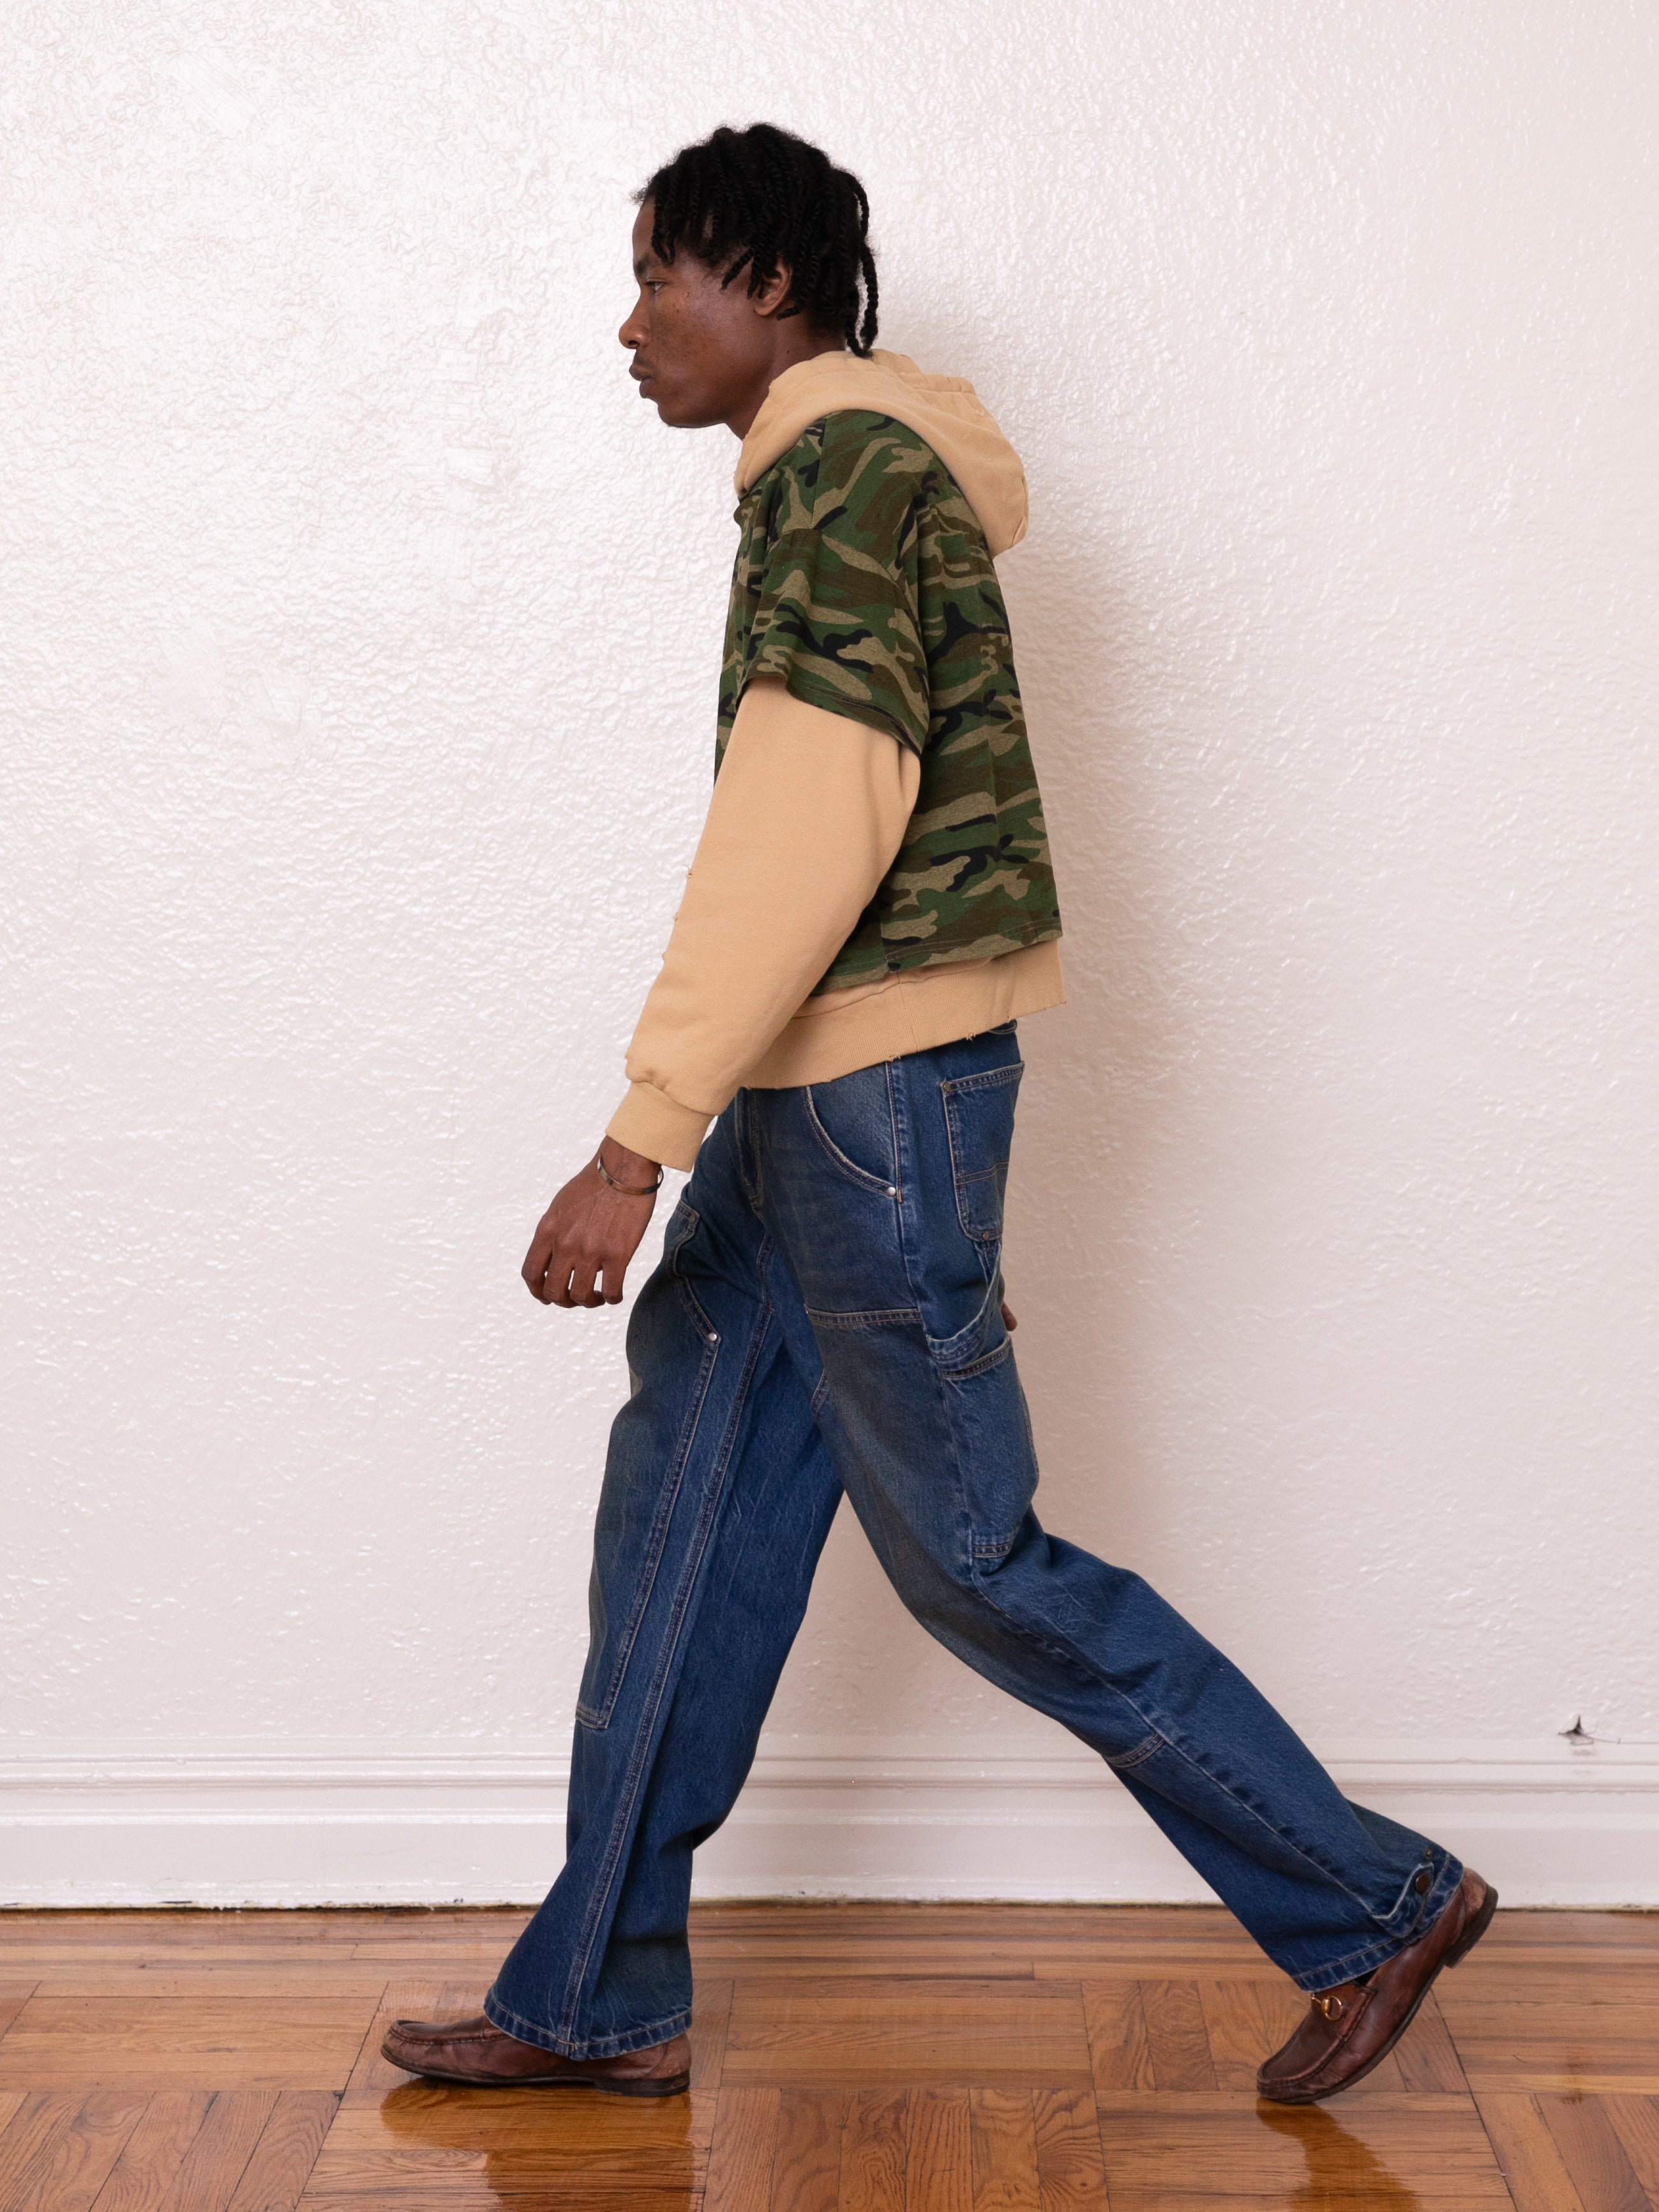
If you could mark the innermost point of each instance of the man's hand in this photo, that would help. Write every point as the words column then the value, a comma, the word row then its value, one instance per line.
column 590, row 1233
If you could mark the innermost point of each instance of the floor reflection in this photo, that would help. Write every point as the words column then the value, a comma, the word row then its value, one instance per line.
column 1340, row 2168
column 542, row 2151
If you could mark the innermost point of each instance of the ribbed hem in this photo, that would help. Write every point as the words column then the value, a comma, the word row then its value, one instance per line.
column 844, row 1030
column 649, row 1122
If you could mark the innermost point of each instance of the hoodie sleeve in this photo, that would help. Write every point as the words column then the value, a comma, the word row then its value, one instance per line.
column 808, row 811
column 834, row 577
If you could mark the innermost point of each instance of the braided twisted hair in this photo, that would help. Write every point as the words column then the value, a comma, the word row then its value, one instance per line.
column 766, row 196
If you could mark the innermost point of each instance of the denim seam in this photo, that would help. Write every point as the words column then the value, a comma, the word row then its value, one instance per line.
column 860, row 1178
column 940, row 1348
column 1292, row 1843
column 596, row 1718
column 875, row 1317
column 622, row 1828
column 746, row 1151
column 986, row 1361
column 605, row 2046
column 1006, row 1077
column 908, row 1182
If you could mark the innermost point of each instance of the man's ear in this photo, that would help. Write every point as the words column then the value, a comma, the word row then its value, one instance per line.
column 774, row 293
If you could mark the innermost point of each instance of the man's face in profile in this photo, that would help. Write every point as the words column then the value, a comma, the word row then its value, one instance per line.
column 700, row 347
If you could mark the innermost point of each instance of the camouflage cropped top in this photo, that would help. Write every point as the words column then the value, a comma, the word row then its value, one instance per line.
column 863, row 579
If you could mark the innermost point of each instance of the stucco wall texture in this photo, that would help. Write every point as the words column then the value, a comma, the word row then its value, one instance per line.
column 358, row 684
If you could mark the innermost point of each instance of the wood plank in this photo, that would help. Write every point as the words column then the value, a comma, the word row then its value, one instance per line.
column 428, row 2141
column 1610, row 1980
column 1161, row 2149
column 208, row 1978
column 1003, row 2138
column 1636, row 2123
column 1187, row 1963
column 1071, row 2172
column 73, row 2158
column 218, row 2158
column 874, row 2145
column 711, row 2018
column 1526, row 2152
column 740, row 2157
column 286, row 2152
column 143, row 2175
column 373, row 2077
column 477, row 2193
column 607, row 2173
column 1606, row 1931
column 871, row 1961
column 1594, row 2050
column 806, row 2160
column 1427, row 2057
column 1177, row 2039
column 175, row 2043
column 14, row 1996
column 1119, row 2054
column 1593, row 2154
column 33, row 2121
column 877, row 2034
column 939, row 2174
column 1237, row 2030
column 462, row 2127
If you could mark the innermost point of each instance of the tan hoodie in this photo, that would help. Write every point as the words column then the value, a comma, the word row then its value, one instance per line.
column 944, row 410
column 807, row 814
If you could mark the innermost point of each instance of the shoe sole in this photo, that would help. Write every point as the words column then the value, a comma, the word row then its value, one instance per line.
column 668, row 2085
column 1459, row 1951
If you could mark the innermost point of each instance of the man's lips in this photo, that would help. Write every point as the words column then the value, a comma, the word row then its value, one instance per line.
column 644, row 378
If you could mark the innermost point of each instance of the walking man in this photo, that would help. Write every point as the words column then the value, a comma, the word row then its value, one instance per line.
column 831, row 1047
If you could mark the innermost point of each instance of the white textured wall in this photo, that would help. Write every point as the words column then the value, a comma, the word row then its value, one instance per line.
column 357, row 680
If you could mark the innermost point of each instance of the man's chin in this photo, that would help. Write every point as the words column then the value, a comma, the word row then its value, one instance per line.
column 679, row 411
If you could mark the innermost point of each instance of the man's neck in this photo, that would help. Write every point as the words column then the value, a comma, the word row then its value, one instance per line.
column 793, row 348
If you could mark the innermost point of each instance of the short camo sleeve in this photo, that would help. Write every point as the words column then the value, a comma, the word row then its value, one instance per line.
column 832, row 576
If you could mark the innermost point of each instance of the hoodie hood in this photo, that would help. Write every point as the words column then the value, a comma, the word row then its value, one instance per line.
column 944, row 410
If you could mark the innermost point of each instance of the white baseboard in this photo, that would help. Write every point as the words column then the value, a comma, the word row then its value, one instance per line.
column 95, row 1825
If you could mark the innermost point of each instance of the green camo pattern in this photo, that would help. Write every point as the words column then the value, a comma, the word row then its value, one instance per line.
column 864, row 581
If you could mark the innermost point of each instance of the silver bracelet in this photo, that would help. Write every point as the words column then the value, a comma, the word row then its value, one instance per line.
column 628, row 1189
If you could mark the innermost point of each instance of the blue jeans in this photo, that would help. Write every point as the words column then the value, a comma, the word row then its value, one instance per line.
column 826, row 1316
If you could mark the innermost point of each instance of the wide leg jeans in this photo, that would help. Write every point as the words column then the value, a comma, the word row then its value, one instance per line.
column 826, row 1317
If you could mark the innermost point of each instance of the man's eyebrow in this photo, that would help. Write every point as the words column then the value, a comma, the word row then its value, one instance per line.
column 643, row 264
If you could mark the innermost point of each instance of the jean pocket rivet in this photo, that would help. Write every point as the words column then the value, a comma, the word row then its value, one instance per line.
column 714, row 1336
column 892, row 1190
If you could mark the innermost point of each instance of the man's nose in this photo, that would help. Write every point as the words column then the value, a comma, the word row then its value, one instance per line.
column 630, row 334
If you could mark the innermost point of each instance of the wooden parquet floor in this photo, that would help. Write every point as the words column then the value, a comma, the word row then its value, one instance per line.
column 849, row 2058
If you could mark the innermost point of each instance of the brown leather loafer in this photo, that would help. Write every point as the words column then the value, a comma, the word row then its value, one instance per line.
column 477, row 2053
column 1353, row 2027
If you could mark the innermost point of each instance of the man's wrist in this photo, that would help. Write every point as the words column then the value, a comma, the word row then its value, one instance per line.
column 624, row 1165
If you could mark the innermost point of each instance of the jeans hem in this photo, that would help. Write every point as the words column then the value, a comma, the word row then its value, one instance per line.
column 1352, row 1964
column 596, row 2046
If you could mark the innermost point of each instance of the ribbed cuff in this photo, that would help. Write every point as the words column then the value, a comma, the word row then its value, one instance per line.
column 649, row 1122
